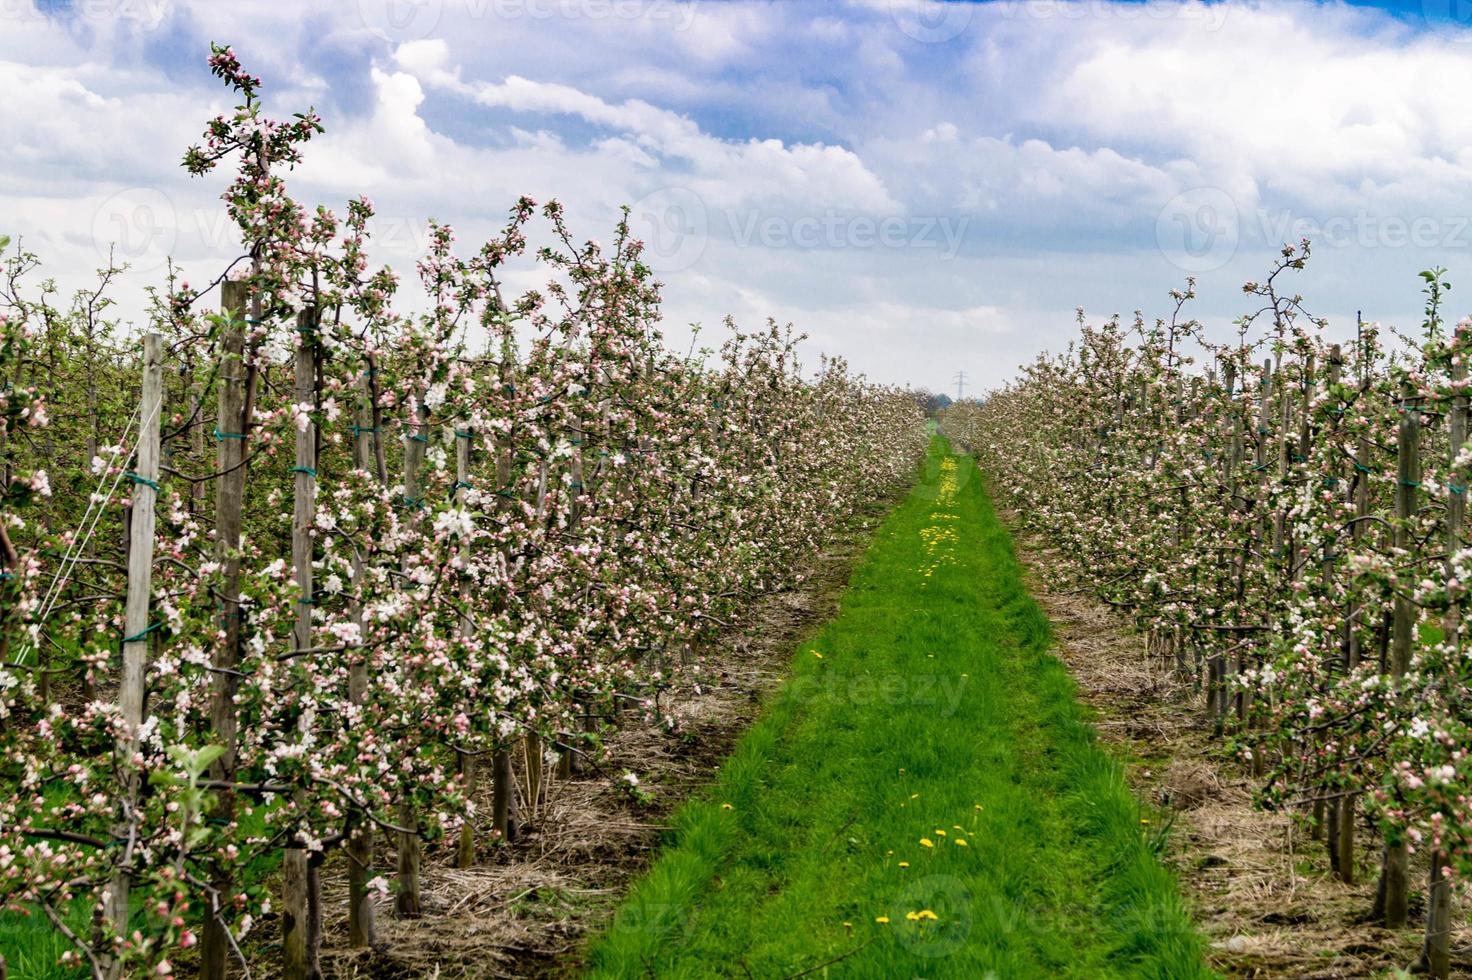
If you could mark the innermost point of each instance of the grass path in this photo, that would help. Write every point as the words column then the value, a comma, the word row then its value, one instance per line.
column 923, row 798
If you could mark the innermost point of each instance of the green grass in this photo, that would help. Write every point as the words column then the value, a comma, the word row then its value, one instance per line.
column 935, row 705
column 32, row 948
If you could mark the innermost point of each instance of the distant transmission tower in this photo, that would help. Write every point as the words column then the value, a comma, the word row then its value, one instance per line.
column 960, row 385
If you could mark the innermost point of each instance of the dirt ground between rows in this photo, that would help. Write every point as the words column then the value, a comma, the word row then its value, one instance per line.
column 530, row 907
column 1259, row 887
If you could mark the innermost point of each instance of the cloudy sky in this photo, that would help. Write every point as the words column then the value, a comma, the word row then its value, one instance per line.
column 921, row 187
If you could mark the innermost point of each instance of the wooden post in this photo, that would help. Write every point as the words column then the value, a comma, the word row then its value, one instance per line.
column 362, row 924
column 503, row 785
column 408, row 904
column 1393, row 881
column 299, row 955
column 1436, row 954
column 230, row 436
column 571, row 761
column 137, row 629
column 465, row 853
column 1340, row 836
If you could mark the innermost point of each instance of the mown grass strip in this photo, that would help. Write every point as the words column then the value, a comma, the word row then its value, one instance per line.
column 923, row 797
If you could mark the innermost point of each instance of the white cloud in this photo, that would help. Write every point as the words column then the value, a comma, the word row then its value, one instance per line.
column 1051, row 133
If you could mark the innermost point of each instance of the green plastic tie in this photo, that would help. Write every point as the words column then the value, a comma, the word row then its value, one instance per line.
column 1456, row 489
column 222, row 436
column 305, row 469
column 306, row 602
column 577, row 486
column 142, row 481
column 1414, row 485
column 459, row 485
column 419, row 438
column 6, row 576
column 1362, row 467
column 1331, row 481
column 464, row 434
column 413, row 502
column 144, row 635
column 358, row 430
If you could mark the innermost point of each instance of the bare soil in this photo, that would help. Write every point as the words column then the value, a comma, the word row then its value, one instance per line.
column 530, row 907
column 1257, row 883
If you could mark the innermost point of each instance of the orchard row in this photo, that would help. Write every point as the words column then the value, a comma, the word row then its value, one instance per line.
column 1286, row 522
column 311, row 571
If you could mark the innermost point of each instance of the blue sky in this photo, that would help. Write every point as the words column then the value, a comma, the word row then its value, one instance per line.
column 921, row 187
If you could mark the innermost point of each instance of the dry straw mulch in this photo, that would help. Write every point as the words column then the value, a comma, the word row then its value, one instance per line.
column 1260, row 888
column 530, row 907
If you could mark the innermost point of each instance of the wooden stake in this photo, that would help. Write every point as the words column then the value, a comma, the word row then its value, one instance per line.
column 1394, row 884
column 137, row 629
column 301, row 960
column 231, row 436
column 362, row 924
column 408, row 904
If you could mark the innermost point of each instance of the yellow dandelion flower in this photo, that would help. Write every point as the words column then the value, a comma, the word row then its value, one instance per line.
column 913, row 916
column 939, row 832
column 914, row 796
column 1143, row 820
column 727, row 806
column 817, row 654
column 978, row 806
column 961, row 842
column 926, row 914
column 926, row 842
column 882, row 919
column 956, row 826
column 904, row 864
